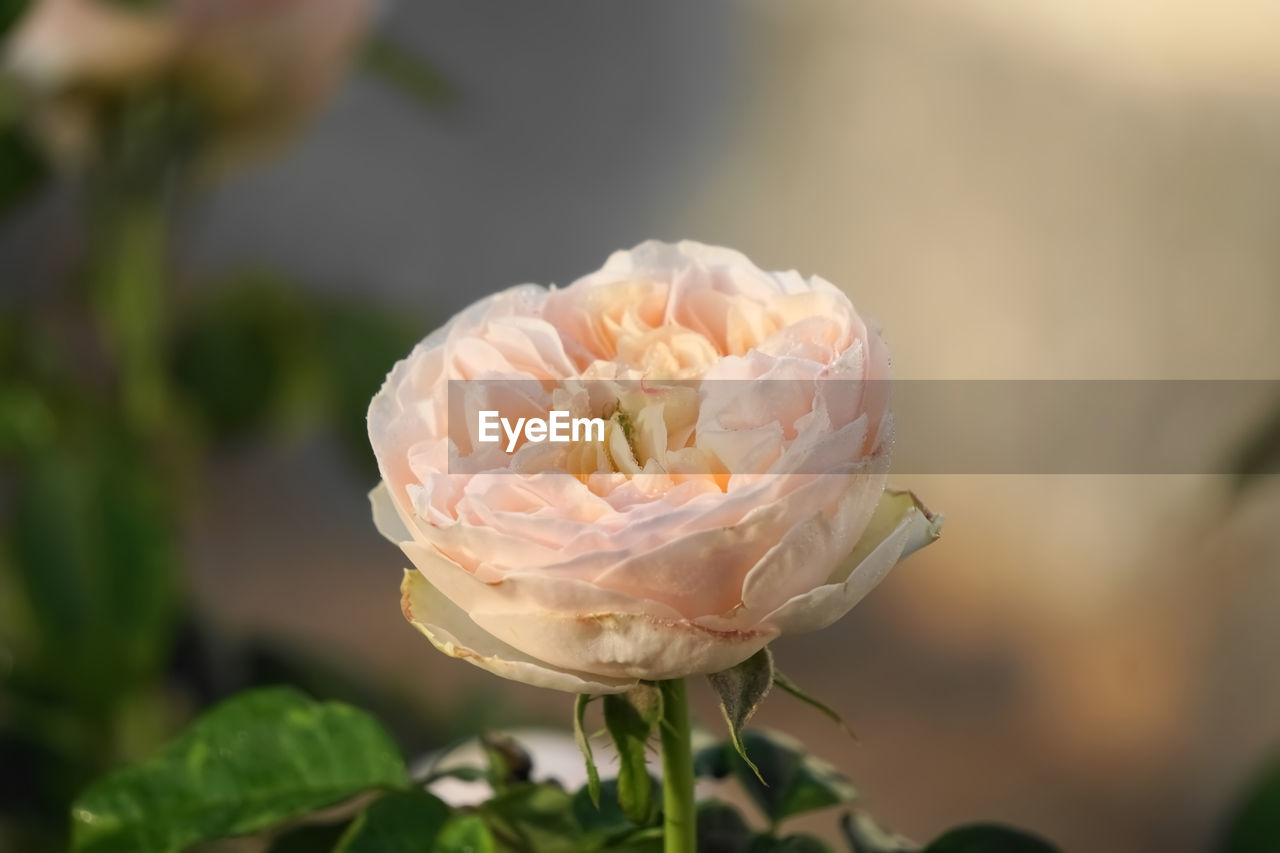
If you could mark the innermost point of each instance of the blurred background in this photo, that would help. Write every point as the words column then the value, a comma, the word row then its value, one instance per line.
column 223, row 221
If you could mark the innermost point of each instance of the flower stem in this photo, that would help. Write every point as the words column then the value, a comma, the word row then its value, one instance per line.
column 679, row 815
column 128, row 280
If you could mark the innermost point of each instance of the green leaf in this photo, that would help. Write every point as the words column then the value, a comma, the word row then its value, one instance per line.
column 509, row 764
column 1255, row 825
column 651, row 840
column 251, row 763
column 95, row 568
column 600, row 815
column 721, row 828
column 630, row 719
column 794, row 781
column 584, row 744
column 741, row 690
column 412, row 75
column 713, row 761
column 607, row 823
column 533, row 817
column 308, row 838
column 462, row 774
column 865, row 836
column 466, row 834
column 245, row 357
column 788, row 686
column 989, row 838
column 262, row 353
column 400, row 822
column 359, row 344
column 789, row 844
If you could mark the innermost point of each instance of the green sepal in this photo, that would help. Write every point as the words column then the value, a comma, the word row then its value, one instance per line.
column 741, row 690
column 584, row 744
column 788, row 686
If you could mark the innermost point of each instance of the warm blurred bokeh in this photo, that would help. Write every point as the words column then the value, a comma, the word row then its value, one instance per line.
column 1011, row 190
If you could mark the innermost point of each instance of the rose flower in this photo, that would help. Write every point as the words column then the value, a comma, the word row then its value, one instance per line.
column 736, row 495
column 256, row 67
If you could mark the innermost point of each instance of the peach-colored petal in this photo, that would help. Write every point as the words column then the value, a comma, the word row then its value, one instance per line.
column 900, row 526
column 451, row 631
column 627, row 645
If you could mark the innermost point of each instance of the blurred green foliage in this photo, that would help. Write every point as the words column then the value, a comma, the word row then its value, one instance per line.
column 989, row 839
column 116, row 386
column 790, row 782
column 10, row 12
column 1258, row 455
column 257, row 355
column 1255, row 825
column 22, row 170
column 410, row 74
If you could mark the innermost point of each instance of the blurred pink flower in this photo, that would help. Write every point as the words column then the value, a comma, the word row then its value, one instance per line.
column 256, row 67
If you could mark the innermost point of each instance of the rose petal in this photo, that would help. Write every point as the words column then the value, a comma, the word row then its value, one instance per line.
column 626, row 645
column 574, row 625
column 900, row 526
column 524, row 591
column 801, row 560
column 450, row 630
column 386, row 517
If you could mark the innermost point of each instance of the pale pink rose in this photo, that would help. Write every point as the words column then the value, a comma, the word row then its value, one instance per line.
column 738, row 494
column 268, row 64
column 93, row 43
column 256, row 67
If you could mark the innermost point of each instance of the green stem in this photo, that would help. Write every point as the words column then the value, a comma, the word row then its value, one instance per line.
column 678, row 810
column 128, row 278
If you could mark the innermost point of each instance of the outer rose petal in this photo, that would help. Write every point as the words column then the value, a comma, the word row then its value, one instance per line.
column 900, row 526
column 655, row 643
column 574, row 625
column 629, row 645
column 386, row 517
column 451, row 631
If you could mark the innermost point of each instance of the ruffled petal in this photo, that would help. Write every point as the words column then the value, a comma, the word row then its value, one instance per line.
column 900, row 526
column 451, row 631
